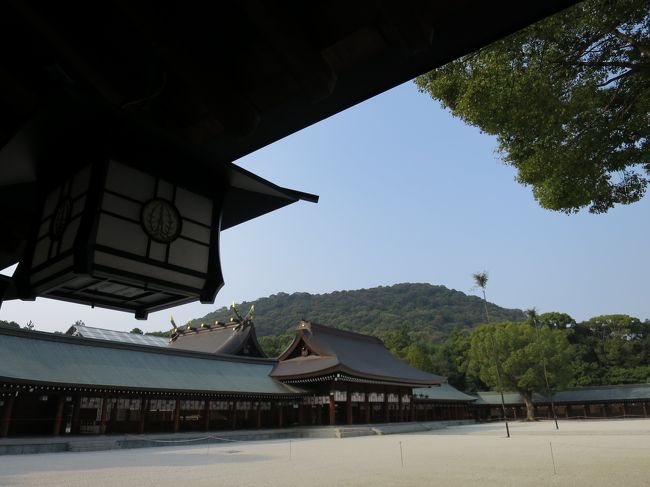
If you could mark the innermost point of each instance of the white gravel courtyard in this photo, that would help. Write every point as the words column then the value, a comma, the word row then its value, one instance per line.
column 590, row 453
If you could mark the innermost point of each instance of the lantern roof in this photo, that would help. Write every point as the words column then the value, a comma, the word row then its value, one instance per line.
column 320, row 351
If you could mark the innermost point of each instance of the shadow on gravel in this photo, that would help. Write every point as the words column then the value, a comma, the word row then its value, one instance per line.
column 118, row 459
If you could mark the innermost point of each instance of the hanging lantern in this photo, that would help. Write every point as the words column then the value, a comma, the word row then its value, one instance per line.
column 126, row 219
column 114, row 236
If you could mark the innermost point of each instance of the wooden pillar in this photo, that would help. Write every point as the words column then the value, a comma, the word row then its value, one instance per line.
column 332, row 410
column 624, row 410
column 206, row 415
column 234, row 415
column 272, row 414
column 102, row 415
column 58, row 416
column 348, row 407
column 177, row 416
column 386, row 408
column 143, row 414
column 281, row 416
column 113, row 416
column 259, row 415
column 301, row 414
column 584, row 410
column 645, row 410
column 400, row 413
column 368, row 407
column 5, row 420
column 76, row 414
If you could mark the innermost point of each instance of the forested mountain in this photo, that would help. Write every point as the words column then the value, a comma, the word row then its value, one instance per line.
column 429, row 311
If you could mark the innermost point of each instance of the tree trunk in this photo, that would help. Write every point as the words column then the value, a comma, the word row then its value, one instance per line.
column 530, row 409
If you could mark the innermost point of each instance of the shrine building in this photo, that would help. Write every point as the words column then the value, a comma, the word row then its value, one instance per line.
column 207, row 378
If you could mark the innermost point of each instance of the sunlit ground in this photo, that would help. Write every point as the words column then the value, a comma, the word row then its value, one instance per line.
column 590, row 453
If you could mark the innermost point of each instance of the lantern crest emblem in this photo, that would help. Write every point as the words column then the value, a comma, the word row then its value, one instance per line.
column 60, row 219
column 160, row 220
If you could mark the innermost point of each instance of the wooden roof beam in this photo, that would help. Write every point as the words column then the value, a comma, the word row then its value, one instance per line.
column 314, row 74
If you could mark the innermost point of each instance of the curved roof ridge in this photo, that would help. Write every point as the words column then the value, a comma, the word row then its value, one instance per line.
column 353, row 353
column 346, row 333
column 102, row 343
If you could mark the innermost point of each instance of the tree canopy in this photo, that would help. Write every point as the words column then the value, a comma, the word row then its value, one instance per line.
column 431, row 312
column 611, row 349
column 519, row 351
column 568, row 100
column 9, row 324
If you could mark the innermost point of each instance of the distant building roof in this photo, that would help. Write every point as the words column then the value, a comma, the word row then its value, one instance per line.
column 493, row 398
column 319, row 351
column 622, row 392
column 443, row 392
column 116, row 336
column 611, row 393
column 61, row 360
column 232, row 339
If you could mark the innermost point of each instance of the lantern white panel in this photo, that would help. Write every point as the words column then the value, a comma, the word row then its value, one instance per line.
column 41, row 252
column 78, row 206
column 80, row 182
column 130, row 182
column 151, row 246
column 115, row 289
column 44, row 229
column 120, row 234
column 121, row 206
column 148, row 270
column 193, row 204
column 51, row 270
column 50, row 202
column 165, row 190
column 151, row 299
column 196, row 232
column 67, row 240
column 80, row 282
column 189, row 255
column 158, row 251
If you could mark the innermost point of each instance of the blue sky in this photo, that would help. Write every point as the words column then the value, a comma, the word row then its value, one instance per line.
column 408, row 194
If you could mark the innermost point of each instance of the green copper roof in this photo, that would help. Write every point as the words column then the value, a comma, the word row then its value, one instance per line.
column 623, row 392
column 509, row 398
column 443, row 392
column 63, row 360
column 613, row 393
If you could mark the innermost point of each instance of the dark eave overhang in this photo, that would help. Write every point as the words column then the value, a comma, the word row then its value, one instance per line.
column 11, row 386
column 343, row 374
column 217, row 80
